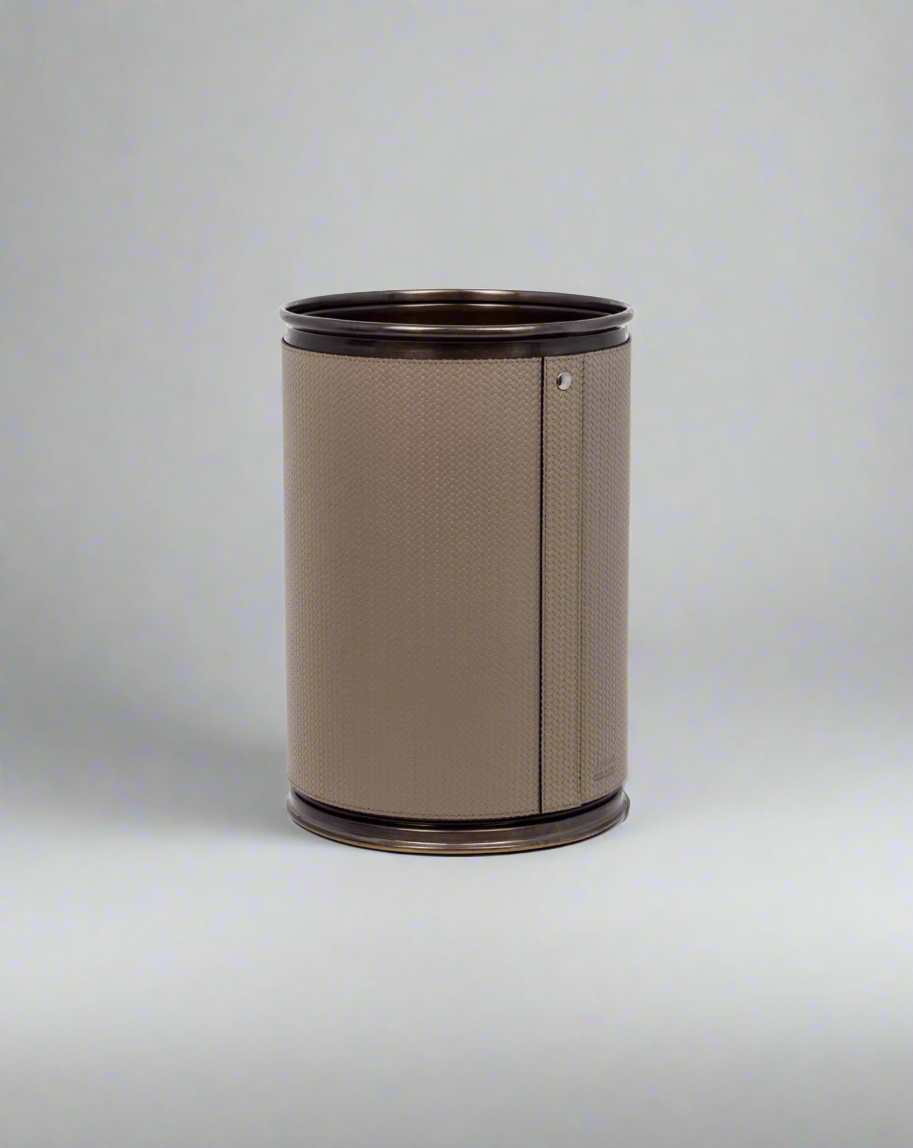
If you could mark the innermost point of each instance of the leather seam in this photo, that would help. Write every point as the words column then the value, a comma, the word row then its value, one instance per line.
column 541, row 569
column 580, row 478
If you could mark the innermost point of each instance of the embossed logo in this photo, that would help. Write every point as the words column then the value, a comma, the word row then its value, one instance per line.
column 604, row 768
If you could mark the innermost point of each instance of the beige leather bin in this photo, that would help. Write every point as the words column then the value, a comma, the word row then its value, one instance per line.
column 456, row 540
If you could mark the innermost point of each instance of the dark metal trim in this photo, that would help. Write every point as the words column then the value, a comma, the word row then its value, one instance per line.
column 404, row 349
column 507, row 835
column 349, row 324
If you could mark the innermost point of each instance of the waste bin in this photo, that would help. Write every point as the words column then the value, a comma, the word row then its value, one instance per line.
column 456, row 558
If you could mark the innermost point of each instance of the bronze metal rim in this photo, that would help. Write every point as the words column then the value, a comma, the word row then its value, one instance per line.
column 456, row 323
column 399, row 835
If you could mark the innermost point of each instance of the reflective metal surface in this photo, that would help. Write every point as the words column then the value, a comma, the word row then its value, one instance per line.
column 509, row 836
column 456, row 323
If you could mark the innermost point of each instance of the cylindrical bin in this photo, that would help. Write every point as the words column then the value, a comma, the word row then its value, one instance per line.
column 456, row 547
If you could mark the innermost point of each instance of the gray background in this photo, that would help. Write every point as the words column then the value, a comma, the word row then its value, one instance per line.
column 731, row 966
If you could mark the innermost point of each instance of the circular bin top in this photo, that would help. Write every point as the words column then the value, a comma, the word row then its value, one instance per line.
column 447, row 324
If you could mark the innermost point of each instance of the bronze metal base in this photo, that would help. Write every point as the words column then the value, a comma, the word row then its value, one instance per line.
column 513, row 835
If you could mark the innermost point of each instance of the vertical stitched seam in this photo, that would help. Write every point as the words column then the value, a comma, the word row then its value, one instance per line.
column 580, row 478
column 541, row 563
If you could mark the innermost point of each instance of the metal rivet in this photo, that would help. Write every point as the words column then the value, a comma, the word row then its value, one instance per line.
column 564, row 380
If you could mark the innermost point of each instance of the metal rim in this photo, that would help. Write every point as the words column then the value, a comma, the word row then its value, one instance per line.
column 383, row 316
column 466, row 349
column 399, row 835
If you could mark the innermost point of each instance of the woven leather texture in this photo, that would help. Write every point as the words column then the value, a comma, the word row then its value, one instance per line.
column 412, row 583
column 586, row 438
column 604, row 571
column 562, row 507
column 456, row 582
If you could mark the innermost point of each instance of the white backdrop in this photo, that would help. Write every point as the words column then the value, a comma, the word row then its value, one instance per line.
column 725, row 969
